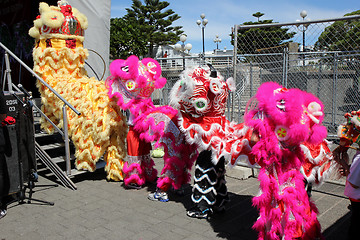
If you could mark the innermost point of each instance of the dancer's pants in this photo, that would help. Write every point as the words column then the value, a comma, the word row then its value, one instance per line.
column 209, row 189
column 140, row 167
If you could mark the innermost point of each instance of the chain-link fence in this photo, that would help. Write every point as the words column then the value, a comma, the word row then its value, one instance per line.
column 322, row 57
column 172, row 68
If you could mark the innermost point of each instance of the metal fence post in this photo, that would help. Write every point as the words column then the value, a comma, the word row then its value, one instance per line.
column 333, row 117
column 251, row 78
column 235, row 31
column 285, row 67
column 66, row 140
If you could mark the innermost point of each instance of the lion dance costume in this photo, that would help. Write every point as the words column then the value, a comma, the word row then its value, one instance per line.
column 194, row 122
column 200, row 96
column 59, row 58
column 132, row 83
column 283, row 119
column 349, row 134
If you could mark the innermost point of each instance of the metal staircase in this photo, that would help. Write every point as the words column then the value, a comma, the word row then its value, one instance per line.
column 41, row 154
column 53, row 167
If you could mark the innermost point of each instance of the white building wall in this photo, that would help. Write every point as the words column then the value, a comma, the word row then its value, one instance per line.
column 97, row 36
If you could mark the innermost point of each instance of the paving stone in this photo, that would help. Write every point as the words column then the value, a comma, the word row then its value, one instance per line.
column 105, row 210
column 146, row 235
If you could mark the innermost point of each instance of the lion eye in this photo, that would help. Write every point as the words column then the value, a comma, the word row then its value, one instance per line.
column 125, row 68
column 200, row 104
column 281, row 105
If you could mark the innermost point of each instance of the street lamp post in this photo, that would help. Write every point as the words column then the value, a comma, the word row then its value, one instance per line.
column 303, row 29
column 202, row 24
column 217, row 40
column 183, row 47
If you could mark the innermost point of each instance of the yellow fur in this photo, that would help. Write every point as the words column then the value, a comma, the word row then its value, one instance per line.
column 43, row 7
column 101, row 127
column 53, row 19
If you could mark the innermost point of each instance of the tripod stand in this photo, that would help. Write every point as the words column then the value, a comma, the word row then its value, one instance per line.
column 31, row 185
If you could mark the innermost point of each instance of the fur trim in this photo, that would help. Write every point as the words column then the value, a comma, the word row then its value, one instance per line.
column 43, row 7
column 34, row 32
column 319, row 134
column 53, row 19
column 160, row 83
column 133, row 174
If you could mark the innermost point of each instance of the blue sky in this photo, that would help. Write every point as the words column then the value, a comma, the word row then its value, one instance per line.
column 224, row 14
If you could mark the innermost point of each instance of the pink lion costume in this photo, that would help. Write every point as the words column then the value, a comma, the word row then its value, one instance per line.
column 132, row 83
column 283, row 119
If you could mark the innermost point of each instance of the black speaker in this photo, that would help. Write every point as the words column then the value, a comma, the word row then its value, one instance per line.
column 12, row 160
column 20, row 142
column 12, row 103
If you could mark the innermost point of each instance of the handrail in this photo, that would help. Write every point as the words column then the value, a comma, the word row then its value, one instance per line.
column 40, row 79
column 66, row 103
column 20, row 88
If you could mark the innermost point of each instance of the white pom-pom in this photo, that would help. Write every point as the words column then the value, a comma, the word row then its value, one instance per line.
column 231, row 84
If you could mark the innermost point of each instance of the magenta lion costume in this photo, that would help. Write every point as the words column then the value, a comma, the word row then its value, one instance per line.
column 283, row 119
column 133, row 82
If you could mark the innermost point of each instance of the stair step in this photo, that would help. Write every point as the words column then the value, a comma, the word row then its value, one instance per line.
column 53, row 146
column 60, row 161
column 75, row 172
column 43, row 138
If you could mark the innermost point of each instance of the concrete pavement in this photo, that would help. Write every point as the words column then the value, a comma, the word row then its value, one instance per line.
column 105, row 210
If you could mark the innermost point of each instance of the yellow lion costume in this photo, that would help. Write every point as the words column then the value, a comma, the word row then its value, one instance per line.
column 59, row 58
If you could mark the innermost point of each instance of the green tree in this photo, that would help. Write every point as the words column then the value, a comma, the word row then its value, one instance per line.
column 341, row 35
column 143, row 27
column 258, row 15
column 126, row 39
column 253, row 40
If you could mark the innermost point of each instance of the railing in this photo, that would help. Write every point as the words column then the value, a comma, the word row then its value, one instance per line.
column 177, row 63
column 64, row 133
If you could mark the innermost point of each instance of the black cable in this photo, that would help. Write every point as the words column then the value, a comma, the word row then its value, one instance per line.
column 102, row 61
column 92, row 70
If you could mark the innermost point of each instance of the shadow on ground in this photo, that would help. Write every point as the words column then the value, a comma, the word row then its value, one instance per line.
column 339, row 229
column 237, row 221
column 234, row 223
